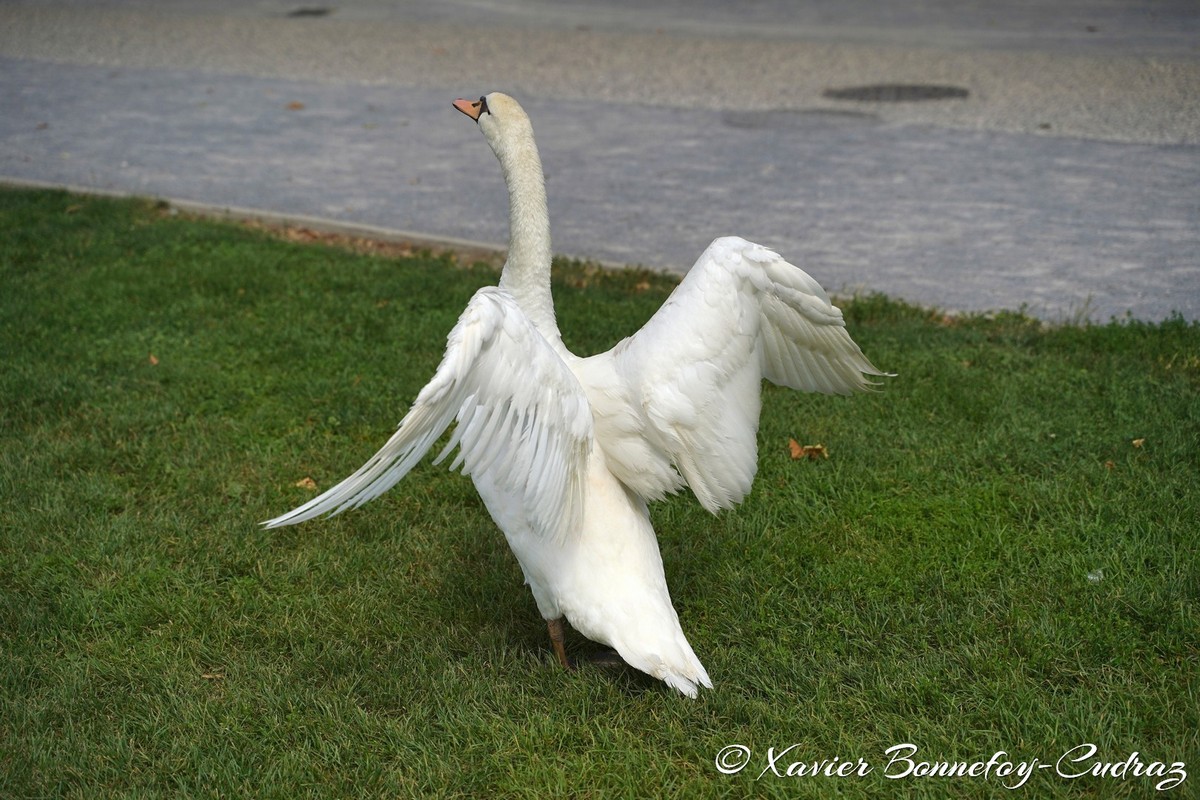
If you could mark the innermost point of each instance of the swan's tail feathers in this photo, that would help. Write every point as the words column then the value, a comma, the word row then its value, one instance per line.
column 675, row 664
column 683, row 673
column 687, row 681
column 686, row 686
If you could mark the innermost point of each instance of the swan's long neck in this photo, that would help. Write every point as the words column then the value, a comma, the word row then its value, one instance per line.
column 526, row 274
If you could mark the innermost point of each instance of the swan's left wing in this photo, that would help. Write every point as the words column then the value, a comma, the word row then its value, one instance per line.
column 692, row 375
column 524, row 424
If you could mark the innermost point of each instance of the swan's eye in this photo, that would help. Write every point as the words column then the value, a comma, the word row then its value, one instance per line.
column 483, row 105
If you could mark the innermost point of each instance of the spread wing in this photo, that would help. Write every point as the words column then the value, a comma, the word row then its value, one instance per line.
column 524, row 424
column 694, row 371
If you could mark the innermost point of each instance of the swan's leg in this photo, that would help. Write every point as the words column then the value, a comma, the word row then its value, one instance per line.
column 557, row 637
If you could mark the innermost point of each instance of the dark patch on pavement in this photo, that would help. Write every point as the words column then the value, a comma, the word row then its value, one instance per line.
column 896, row 93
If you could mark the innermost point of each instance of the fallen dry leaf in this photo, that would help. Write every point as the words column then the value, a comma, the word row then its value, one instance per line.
column 810, row 451
column 1110, row 465
column 1138, row 442
column 153, row 360
column 307, row 483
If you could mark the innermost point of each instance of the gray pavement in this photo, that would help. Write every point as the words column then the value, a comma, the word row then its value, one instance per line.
column 1066, row 183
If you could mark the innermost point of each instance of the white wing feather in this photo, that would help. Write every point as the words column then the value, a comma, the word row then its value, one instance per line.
column 523, row 422
column 694, row 370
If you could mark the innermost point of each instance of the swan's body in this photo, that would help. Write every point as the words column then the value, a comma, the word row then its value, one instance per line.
column 566, row 451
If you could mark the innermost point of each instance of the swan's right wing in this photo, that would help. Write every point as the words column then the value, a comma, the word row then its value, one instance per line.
column 524, row 423
column 693, row 373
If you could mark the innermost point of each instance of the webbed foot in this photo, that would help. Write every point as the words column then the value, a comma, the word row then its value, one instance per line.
column 606, row 658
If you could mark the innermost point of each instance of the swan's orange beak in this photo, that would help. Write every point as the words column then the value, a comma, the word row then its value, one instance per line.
column 472, row 108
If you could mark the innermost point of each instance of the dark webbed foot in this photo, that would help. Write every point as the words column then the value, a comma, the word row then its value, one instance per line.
column 606, row 658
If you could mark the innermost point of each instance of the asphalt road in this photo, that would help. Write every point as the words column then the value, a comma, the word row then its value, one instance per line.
column 1065, row 182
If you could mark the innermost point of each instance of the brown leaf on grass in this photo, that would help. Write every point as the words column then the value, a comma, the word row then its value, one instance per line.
column 1138, row 442
column 307, row 483
column 810, row 451
column 153, row 360
column 1110, row 465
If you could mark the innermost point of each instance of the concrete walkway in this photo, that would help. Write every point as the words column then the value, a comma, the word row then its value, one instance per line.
column 1067, row 182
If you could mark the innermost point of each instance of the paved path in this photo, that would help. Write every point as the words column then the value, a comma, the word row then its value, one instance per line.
column 1067, row 182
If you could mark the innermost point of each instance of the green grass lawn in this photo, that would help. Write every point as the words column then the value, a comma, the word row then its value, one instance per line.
column 999, row 553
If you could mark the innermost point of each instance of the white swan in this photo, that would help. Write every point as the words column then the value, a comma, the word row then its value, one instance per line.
column 566, row 451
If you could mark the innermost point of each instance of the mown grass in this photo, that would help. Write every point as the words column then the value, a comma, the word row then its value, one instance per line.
column 986, row 561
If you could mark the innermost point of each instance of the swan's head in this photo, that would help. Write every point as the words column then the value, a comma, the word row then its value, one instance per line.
column 501, row 119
